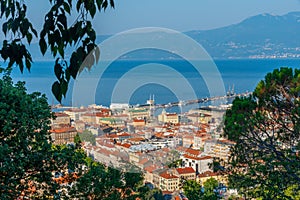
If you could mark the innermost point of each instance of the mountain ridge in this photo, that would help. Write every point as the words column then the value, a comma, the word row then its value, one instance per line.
column 260, row 36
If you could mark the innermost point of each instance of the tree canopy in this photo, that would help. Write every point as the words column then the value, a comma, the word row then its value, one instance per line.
column 195, row 191
column 25, row 156
column 56, row 36
column 87, row 136
column 265, row 161
column 32, row 167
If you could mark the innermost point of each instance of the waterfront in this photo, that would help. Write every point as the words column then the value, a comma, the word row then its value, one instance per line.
column 242, row 74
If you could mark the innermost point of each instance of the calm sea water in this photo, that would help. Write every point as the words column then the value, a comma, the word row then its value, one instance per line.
column 166, row 85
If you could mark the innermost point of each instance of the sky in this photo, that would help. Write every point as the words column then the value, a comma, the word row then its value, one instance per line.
column 175, row 14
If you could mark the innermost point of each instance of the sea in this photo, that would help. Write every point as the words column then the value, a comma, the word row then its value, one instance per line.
column 165, row 81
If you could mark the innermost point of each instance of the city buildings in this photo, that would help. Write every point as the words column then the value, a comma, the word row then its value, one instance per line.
column 61, row 120
column 63, row 135
column 127, row 135
column 186, row 173
column 165, row 117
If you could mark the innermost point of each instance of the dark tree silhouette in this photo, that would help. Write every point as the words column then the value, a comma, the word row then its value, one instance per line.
column 56, row 36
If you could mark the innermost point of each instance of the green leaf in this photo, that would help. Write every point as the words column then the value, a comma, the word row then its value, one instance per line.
column 63, row 20
column 33, row 31
column 92, row 34
column 4, row 28
column 104, row 4
column 67, row 7
column 58, row 70
column 112, row 4
column 92, row 10
column 61, row 50
column 56, row 90
column 99, row 4
column 74, row 65
column 90, row 48
column 28, row 63
column 26, row 24
column 21, row 66
column 43, row 46
column 29, row 37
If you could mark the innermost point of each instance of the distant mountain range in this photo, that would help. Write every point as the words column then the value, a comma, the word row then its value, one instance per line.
column 261, row 36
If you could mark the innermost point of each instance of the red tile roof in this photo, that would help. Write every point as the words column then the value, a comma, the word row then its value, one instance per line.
column 138, row 120
column 101, row 115
column 63, row 130
column 181, row 149
column 143, row 161
column 193, row 152
column 151, row 168
column 123, row 135
column 104, row 110
column 197, row 158
column 186, row 170
column 167, row 175
column 207, row 174
column 201, row 134
column 126, row 145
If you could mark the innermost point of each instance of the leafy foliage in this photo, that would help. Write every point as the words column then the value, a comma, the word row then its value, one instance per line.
column 32, row 167
column 101, row 182
column 209, row 186
column 88, row 137
column 192, row 190
column 27, row 157
column 25, row 150
column 195, row 191
column 56, row 35
column 154, row 194
column 265, row 127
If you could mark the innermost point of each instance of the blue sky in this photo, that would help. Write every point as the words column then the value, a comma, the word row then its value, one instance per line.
column 176, row 14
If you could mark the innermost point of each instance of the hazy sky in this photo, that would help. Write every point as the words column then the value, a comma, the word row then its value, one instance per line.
column 176, row 14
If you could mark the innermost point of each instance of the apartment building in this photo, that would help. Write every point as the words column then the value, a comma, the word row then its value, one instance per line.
column 63, row 135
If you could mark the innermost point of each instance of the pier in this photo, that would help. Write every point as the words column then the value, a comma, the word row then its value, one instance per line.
column 201, row 100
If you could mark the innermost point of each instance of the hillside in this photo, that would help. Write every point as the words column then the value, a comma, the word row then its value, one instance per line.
column 265, row 36
column 261, row 36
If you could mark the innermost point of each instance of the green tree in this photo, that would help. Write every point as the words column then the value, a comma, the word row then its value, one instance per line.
column 192, row 190
column 25, row 148
column 28, row 158
column 266, row 128
column 77, row 141
column 88, row 137
column 154, row 194
column 293, row 192
column 209, row 189
column 56, row 36
column 108, row 183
